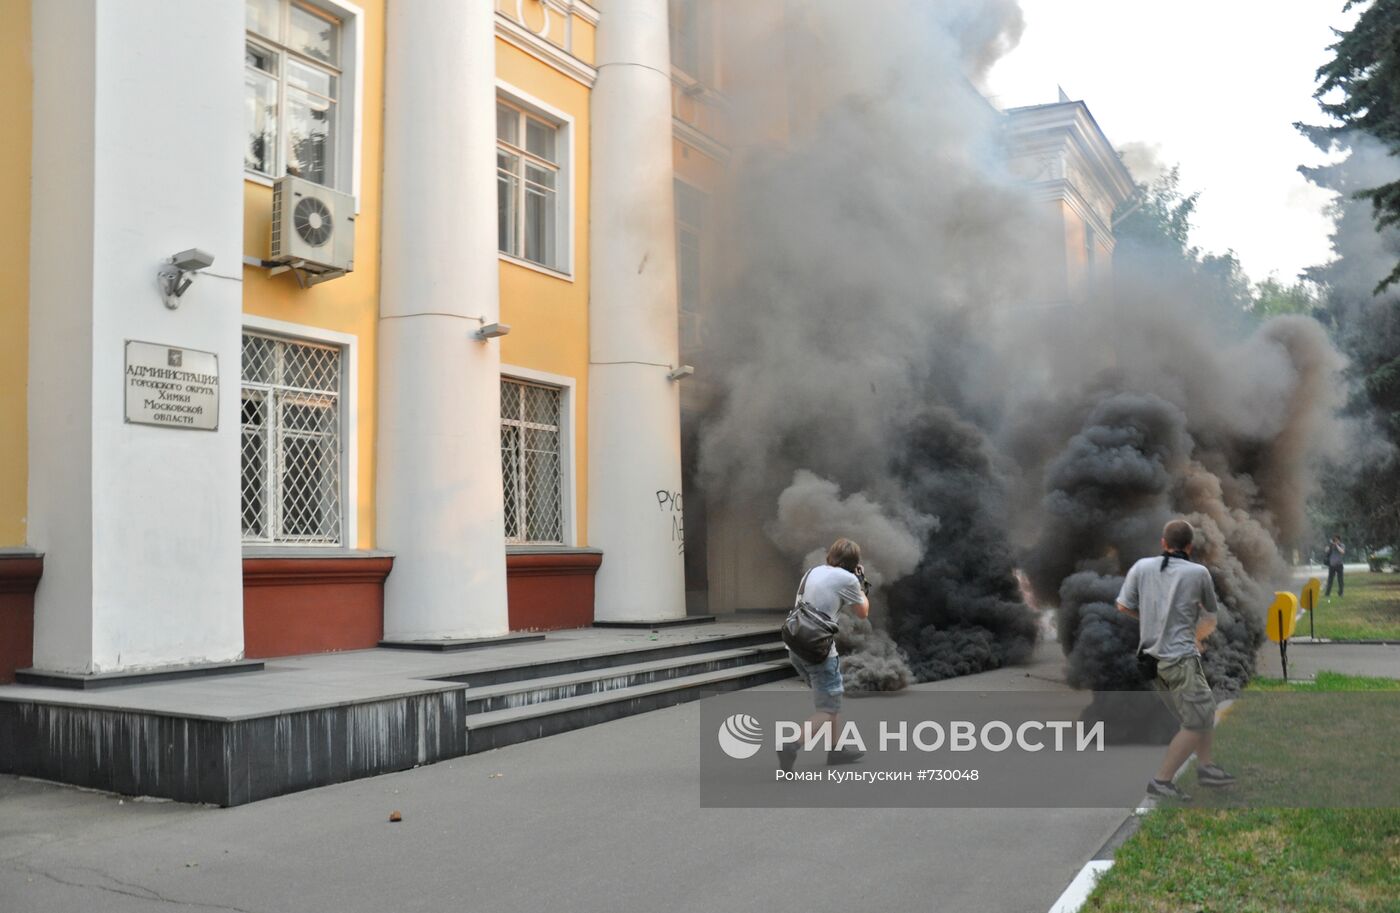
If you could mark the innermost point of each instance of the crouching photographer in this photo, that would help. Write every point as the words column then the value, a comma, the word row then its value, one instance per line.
column 810, row 635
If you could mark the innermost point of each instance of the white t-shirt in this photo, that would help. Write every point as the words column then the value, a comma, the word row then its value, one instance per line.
column 829, row 588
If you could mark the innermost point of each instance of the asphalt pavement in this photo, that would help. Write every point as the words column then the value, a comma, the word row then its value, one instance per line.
column 601, row 819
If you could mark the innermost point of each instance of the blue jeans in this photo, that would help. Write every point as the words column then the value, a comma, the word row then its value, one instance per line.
column 824, row 678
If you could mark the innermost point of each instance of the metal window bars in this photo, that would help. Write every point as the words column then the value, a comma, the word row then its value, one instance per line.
column 291, row 446
column 531, row 463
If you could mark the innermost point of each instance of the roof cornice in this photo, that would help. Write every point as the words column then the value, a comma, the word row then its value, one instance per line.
column 1073, row 121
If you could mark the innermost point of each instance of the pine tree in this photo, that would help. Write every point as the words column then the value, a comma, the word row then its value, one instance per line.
column 1365, row 75
column 1361, row 497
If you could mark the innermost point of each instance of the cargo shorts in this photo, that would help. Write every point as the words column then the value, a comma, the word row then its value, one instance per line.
column 1182, row 683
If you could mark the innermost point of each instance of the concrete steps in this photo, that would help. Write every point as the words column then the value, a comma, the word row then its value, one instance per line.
column 531, row 691
column 184, row 750
column 498, row 728
column 595, row 661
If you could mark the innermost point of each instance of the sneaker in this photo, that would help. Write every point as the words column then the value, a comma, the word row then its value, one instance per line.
column 1209, row 775
column 844, row 756
column 787, row 759
column 1166, row 789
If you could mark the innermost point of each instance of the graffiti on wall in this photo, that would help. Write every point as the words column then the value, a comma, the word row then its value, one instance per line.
column 671, row 504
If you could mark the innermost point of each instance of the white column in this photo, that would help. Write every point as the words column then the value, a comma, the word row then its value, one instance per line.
column 439, row 501
column 634, row 465
column 138, row 137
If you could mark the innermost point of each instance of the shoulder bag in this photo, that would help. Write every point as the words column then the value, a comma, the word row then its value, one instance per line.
column 808, row 632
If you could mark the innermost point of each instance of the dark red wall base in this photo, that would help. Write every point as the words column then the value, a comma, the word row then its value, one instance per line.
column 313, row 605
column 551, row 590
column 318, row 605
column 19, row 575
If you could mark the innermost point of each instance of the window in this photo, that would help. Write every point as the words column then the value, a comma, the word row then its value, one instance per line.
column 292, row 480
column 528, row 182
column 690, row 225
column 292, row 82
column 691, row 46
column 532, row 463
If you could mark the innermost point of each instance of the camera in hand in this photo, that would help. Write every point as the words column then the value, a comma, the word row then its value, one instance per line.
column 864, row 584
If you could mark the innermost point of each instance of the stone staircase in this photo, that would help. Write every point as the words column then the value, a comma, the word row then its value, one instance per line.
column 518, row 703
column 269, row 733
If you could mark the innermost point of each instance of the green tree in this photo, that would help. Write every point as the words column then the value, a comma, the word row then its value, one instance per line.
column 1272, row 298
column 1360, row 89
column 1157, row 218
column 1361, row 496
column 1152, row 231
column 1225, row 280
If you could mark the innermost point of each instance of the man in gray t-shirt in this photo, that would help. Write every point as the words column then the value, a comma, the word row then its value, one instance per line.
column 1173, row 600
column 827, row 587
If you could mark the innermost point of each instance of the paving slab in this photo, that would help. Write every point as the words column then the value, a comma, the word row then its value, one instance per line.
column 602, row 819
column 1305, row 660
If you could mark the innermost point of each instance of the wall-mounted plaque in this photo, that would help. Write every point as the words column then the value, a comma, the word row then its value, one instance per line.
column 171, row 387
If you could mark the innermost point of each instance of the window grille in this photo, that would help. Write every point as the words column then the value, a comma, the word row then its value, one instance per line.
column 531, row 463
column 292, row 480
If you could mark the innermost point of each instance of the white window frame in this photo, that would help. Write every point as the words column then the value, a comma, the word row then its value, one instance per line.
column 564, row 123
column 698, row 231
column 703, row 24
column 349, row 421
column 349, row 132
column 568, row 476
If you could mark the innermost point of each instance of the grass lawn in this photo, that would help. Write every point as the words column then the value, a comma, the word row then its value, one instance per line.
column 1326, row 682
column 1206, row 859
column 1369, row 611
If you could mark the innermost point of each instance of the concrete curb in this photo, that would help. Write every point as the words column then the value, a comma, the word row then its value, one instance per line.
column 1082, row 886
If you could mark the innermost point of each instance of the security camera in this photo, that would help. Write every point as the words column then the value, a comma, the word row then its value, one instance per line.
column 493, row 331
column 187, row 261
column 176, row 274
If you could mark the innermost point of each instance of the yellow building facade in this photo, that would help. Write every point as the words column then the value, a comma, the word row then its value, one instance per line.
column 299, row 396
column 16, row 106
column 422, row 352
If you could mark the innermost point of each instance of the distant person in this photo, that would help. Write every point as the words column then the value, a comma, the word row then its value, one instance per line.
column 1173, row 599
column 827, row 588
column 1336, row 555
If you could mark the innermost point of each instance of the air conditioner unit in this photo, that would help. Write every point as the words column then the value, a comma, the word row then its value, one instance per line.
column 313, row 230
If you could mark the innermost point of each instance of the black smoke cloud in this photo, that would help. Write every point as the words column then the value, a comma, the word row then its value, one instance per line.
column 885, row 368
column 1225, row 433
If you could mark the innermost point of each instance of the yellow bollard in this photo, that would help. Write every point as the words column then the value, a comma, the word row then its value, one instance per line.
column 1282, row 616
column 1308, row 597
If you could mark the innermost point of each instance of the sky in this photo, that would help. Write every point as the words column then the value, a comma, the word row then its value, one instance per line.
column 1211, row 85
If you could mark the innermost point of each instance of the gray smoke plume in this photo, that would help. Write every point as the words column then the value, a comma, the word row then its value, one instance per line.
column 870, row 660
column 850, row 293
column 811, row 509
column 1363, row 490
column 884, row 373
